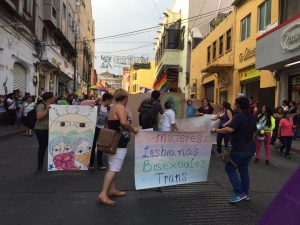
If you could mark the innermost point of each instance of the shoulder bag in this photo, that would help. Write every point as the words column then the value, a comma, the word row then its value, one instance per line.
column 108, row 140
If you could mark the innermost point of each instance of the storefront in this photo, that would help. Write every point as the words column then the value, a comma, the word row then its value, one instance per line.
column 283, row 45
column 250, row 83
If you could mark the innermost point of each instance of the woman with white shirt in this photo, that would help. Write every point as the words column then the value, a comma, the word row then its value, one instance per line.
column 27, row 107
column 102, row 115
column 167, row 120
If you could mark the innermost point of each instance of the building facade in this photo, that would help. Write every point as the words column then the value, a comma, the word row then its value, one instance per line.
column 126, row 79
column 110, row 80
column 282, row 43
column 184, row 25
column 223, row 64
column 253, row 19
column 212, row 64
column 141, row 78
column 18, row 58
column 38, row 46
column 86, row 44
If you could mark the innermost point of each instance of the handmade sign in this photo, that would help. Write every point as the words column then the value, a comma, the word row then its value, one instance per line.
column 71, row 134
column 171, row 158
column 196, row 124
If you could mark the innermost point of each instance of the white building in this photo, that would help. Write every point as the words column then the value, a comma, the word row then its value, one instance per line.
column 17, row 48
column 183, row 27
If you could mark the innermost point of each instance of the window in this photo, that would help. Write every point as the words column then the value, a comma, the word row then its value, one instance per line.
column 27, row 6
column 214, row 50
column 53, row 12
column 208, row 54
column 245, row 27
column 221, row 45
column 228, row 40
column 70, row 20
column 264, row 15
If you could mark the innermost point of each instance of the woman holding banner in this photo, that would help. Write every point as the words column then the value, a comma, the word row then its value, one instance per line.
column 117, row 120
column 243, row 132
column 42, row 127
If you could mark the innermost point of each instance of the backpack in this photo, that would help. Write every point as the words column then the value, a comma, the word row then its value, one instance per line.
column 147, row 114
column 31, row 116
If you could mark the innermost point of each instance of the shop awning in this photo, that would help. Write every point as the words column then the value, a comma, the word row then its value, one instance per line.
column 217, row 68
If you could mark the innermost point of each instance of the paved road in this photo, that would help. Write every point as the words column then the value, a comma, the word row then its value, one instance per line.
column 69, row 197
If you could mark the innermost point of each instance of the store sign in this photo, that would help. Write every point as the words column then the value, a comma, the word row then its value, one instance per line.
column 291, row 38
column 247, row 54
column 249, row 74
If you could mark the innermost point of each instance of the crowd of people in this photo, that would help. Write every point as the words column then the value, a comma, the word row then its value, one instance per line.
column 243, row 129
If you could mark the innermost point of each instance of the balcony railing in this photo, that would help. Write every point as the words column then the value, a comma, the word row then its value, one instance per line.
column 52, row 55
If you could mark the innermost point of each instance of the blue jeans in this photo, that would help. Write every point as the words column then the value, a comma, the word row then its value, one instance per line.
column 241, row 182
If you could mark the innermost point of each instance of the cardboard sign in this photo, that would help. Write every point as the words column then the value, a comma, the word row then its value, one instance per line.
column 71, row 134
column 171, row 158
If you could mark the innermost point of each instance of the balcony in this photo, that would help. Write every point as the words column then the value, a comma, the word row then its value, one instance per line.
column 50, row 14
column 52, row 56
column 169, row 57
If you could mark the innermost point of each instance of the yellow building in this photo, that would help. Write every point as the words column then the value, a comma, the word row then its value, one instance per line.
column 212, row 64
column 142, row 76
column 223, row 64
column 253, row 18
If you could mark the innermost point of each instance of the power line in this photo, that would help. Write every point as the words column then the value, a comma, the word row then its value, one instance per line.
column 150, row 29
column 124, row 50
column 158, row 11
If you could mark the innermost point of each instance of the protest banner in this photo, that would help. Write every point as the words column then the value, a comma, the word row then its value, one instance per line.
column 71, row 134
column 171, row 158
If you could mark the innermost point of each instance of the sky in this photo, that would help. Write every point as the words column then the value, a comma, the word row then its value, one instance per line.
column 121, row 16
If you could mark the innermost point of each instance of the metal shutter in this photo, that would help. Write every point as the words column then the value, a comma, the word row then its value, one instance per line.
column 19, row 77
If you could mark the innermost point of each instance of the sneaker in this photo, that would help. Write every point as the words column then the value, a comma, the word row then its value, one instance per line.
column 219, row 154
column 256, row 160
column 247, row 198
column 237, row 198
column 101, row 167
column 288, row 156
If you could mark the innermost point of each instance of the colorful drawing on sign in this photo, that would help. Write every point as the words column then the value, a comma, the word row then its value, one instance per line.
column 177, row 100
column 71, row 134
column 167, row 158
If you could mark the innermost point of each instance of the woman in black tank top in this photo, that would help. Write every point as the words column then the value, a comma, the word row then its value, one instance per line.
column 118, row 121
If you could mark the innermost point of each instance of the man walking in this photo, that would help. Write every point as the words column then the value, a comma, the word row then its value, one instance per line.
column 149, row 110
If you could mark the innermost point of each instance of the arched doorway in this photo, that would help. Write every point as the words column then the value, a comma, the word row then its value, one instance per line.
column 19, row 77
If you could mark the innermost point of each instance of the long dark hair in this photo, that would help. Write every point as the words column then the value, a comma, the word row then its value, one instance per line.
column 208, row 103
column 268, row 115
column 227, row 106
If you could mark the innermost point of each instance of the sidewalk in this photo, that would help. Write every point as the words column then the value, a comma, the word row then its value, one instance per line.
column 8, row 131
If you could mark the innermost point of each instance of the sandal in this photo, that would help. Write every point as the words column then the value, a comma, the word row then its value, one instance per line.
column 106, row 202
column 117, row 194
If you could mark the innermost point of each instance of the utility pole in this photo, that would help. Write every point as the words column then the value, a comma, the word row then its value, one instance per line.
column 74, row 85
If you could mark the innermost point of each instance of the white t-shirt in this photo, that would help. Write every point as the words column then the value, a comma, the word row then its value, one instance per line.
column 102, row 116
column 28, row 107
column 11, row 106
column 166, row 120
